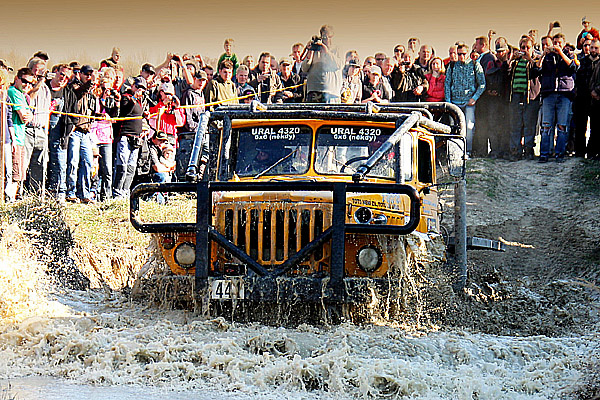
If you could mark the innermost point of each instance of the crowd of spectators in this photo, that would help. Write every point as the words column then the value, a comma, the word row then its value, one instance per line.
column 87, row 134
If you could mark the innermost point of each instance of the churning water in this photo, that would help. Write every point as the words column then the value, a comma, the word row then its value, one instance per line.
column 57, row 344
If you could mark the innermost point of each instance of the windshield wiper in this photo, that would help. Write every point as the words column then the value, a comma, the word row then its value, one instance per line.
column 282, row 159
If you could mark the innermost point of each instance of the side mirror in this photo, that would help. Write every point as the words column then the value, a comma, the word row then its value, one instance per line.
column 456, row 157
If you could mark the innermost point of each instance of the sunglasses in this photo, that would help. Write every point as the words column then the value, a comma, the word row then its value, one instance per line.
column 380, row 59
column 25, row 81
column 462, row 54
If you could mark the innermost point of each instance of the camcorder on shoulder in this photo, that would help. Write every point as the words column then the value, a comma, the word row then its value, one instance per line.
column 316, row 43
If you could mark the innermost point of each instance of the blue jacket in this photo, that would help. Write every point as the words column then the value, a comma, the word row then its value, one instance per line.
column 464, row 81
column 557, row 76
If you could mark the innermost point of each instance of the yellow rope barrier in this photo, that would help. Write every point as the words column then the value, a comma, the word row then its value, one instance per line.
column 115, row 119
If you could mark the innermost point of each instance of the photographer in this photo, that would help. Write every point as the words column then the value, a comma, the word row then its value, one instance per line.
column 323, row 68
column 558, row 90
column 129, row 138
column 172, row 116
column 408, row 80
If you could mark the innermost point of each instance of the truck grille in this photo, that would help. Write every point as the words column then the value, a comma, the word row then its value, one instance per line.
column 271, row 232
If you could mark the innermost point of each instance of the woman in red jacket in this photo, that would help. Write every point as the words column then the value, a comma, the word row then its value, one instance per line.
column 436, row 80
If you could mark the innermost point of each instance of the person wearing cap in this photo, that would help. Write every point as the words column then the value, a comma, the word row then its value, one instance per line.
column 399, row 51
column 408, row 80
column 79, row 147
column 147, row 72
column 76, row 68
column 168, row 110
column 222, row 89
column 194, row 96
column 373, row 89
column 128, row 138
column 352, row 85
column 290, row 80
column 266, row 82
column 588, row 32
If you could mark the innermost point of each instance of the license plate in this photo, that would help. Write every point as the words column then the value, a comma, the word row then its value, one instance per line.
column 224, row 289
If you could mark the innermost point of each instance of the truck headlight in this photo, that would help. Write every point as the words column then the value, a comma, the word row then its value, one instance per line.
column 185, row 255
column 369, row 258
column 363, row 215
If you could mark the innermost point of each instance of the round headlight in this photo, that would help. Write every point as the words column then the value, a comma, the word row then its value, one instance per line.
column 185, row 255
column 363, row 215
column 369, row 258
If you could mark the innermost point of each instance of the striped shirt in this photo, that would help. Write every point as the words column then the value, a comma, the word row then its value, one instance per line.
column 519, row 84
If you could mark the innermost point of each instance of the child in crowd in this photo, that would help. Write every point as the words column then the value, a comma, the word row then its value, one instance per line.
column 229, row 55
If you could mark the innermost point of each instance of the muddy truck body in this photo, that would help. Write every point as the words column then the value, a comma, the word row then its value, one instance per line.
column 310, row 203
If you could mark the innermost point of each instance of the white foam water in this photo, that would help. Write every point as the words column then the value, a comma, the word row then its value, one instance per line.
column 97, row 345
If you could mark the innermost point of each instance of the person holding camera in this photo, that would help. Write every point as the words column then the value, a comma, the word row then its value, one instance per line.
column 323, row 68
column 558, row 90
column 408, row 80
column 169, row 115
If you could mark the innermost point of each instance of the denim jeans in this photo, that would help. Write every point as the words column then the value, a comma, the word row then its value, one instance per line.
column 79, row 165
column 36, row 158
column 185, row 145
column 125, row 164
column 160, row 177
column 523, row 121
column 105, row 171
column 556, row 108
column 470, row 122
column 57, row 177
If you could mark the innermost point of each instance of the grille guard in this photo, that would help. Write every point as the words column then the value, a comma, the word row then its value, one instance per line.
column 206, row 232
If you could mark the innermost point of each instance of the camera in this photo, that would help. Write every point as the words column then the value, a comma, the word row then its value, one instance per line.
column 316, row 43
column 556, row 24
column 176, row 58
column 406, row 63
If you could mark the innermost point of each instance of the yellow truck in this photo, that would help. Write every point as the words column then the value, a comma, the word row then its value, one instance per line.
column 308, row 203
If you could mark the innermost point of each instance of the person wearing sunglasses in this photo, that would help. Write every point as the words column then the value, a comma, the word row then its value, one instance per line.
column 21, row 116
column 465, row 82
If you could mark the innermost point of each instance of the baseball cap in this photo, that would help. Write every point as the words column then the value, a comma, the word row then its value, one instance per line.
column 201, row 75
column 249, row 92
column 149, row 68
column 75, row 65
column 4, row 64
column 501, row 47
column 140, row 82
column 285, row 61
column 375, row 70
column 160, row 135
column 167, row 87
column 87, row 69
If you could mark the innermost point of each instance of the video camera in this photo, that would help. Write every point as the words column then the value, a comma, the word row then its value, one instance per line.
column 316, row 43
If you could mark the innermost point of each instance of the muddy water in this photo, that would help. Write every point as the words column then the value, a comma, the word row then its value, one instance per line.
column 98, row 345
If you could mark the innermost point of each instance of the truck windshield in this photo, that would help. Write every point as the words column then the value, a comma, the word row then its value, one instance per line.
column 341, row 149
column 277, row 149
